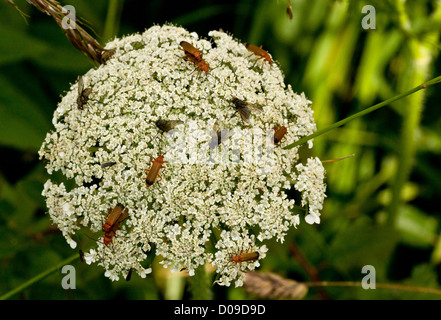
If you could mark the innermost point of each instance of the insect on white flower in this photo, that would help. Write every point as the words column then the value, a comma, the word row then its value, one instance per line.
column 150, row 101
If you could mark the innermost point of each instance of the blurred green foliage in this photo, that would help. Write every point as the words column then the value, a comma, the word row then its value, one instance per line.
column 383, row 204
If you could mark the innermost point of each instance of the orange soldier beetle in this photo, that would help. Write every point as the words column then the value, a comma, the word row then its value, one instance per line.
column 242, row 257
column 279, row 134
column 111, row 225
column 190, row 50
column 108, row 235
column 154, row 170
column 113, row 217
column 194, row 55
column 201, row 64
column 258, row 51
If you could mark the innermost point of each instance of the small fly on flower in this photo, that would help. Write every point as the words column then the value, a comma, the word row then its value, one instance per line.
column 83, row 93
column 218, row 136
column 244, row 109
column 106, row 55
column 167, row 125
column 108, row 164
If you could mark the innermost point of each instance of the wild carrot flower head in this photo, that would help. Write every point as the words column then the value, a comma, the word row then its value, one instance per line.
column 220, row 189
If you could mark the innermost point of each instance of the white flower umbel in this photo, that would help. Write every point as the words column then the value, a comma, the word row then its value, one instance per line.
column 310, row 183
column 216, row 194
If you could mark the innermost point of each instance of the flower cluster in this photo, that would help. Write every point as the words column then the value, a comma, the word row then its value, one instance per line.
column 219, row 190
column 310, row 183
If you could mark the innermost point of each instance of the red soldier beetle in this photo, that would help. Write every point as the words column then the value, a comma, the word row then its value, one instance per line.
column 193, row 55
column 243, row 257
column 279, row 134
column 201, row 64
column 113, row 217
column 153, row 173
column 258, row 51
column 190, row 50
column 108, row 235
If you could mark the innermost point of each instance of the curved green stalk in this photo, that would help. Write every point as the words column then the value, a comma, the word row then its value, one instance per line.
column 39, row 277
column 111, row 25
column 391, row 286
column 364, row 112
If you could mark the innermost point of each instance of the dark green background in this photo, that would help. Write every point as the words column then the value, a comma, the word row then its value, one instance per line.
column 383, row 204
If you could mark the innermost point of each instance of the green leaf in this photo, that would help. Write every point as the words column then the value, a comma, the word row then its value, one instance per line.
column 362, row 243
column 416, row 227
column 22, row 124
column 425, row 276
column 16, row 45
column 68, row 58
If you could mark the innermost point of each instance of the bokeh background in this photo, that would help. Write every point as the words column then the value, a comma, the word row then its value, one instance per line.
column 382, row 207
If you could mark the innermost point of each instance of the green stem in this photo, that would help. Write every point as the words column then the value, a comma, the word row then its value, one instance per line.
column 200, row 285
column 377, row 285
column 364, row 112
column 407, row 145
column 419, row 58
column 111, row 25
column 39, row 277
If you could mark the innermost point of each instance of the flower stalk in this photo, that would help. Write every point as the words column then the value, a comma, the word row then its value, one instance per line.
column 39, row 277
column 364, row 112
column 79, row 38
